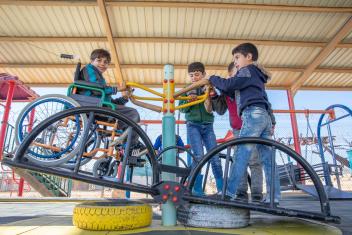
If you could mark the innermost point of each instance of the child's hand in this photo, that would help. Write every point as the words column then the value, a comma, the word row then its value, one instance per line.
column 125, row 94
column 122, row 86
column 193, row 98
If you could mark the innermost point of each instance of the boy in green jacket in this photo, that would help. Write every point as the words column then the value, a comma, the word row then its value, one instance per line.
column 200, row 131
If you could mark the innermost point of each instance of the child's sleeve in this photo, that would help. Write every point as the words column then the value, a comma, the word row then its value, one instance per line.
column 157, row 144
column 238, row 82
column 120, row 101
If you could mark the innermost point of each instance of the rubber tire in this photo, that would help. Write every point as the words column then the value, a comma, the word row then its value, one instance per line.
column 25, row 109
column 212, row 216
column 61, row 160
column 97, row 164
column 115, row 215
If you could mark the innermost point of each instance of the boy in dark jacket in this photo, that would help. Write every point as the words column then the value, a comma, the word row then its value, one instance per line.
column 220, row 104
column 248, row 88
column 200, row 131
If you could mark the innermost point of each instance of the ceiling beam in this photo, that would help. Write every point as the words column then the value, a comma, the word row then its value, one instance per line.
column 171, row 40
column 115, row 57
column 177, row 66
column 340, row 35
column 181, row 85
column 204, row 5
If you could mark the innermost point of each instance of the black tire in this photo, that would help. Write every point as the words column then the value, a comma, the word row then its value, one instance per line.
column 212, row 216
column 100, row 168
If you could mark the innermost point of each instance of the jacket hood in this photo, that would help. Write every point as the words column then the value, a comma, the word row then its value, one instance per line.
column 264, row 74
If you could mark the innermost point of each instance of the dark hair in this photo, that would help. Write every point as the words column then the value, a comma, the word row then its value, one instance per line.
column 100, row 53
column 245, row 49
column 196, row 66
column 230, row 66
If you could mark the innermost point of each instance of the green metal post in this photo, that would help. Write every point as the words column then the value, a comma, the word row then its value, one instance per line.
column 168, row 139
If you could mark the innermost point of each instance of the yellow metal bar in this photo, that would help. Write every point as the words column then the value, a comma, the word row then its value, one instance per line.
column 147, row 98
column 205, row 96
column 189, row 97
column 133, row 84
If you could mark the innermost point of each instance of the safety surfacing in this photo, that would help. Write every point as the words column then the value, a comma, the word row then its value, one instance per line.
column 56, row 218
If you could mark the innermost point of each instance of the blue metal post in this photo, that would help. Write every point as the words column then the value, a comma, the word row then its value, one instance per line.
column 168, row 217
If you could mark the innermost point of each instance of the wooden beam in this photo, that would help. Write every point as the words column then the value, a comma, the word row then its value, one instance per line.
column 341, row 34
column 231, row 6
column 107, row 26
column 205, row 5
column 177, row 66
column 171, row 40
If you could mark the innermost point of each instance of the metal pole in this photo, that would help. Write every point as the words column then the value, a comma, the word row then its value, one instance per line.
column 296, row 143
column 6, row 116
column 168, row 217
column 331, row 142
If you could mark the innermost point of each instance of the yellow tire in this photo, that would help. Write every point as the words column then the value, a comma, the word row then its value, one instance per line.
column 114, row 215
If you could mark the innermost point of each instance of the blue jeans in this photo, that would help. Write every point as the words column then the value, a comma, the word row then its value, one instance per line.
column 256, row 123
column 199, row 134
column 255, row 166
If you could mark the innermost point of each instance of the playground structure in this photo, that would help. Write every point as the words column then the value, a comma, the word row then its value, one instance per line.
column 40, row 151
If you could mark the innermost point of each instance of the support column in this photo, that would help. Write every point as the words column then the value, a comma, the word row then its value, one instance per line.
column 294, row 125
column 168, row 217
column 6, row 116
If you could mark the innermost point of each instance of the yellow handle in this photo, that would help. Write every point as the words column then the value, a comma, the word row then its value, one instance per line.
column 133, row 84
column 202, row 99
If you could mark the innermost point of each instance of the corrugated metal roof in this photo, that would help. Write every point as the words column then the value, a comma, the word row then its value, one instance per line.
column 52, row 21
column 323, row 80
column 277, row 33
column 321, row 3
column 224, row 23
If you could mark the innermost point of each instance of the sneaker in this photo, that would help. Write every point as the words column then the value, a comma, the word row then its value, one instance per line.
column 242, row 196
column 137, row 149
column 266, row 201
column 256, row 198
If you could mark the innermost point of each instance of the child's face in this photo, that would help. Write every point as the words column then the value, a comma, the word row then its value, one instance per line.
column 196, row 76
column 241, row 61
column 101, row 63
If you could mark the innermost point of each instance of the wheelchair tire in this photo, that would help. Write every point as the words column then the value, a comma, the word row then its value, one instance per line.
column 212, row 216
column 115, row 215
column 19, row 136
column 99, row 164
column 29, row 107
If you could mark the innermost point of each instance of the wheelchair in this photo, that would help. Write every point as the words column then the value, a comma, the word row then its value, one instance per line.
column 58, row 144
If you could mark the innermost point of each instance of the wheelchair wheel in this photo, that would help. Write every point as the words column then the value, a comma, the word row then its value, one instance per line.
column 43, row 107
column 105, row 167
column 58, row 142
column 40, row 146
